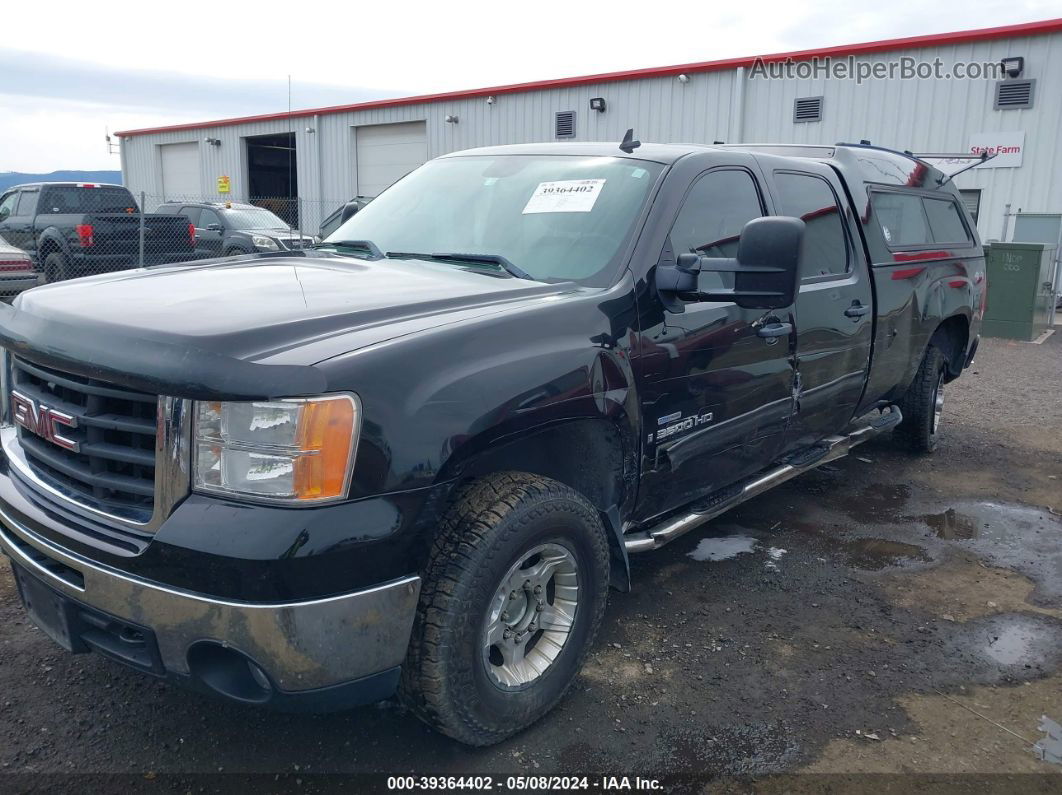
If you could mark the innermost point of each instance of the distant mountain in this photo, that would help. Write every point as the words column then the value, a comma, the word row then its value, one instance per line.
column 9, row 178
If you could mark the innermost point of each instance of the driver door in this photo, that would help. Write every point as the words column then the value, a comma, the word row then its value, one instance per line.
column 716, row 396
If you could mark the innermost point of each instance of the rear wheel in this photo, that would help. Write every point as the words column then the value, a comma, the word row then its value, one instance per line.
column 56, row 267
column 923, row 405
column 513, row 596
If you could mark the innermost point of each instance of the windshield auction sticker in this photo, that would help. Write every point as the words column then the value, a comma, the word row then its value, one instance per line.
column 566, row 196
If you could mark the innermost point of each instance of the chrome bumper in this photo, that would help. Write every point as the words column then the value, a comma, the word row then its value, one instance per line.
column 301, row 646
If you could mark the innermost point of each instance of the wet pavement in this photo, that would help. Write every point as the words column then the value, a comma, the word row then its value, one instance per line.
column 853, row 620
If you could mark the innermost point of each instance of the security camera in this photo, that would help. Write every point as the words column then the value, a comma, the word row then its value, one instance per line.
column 490, row 100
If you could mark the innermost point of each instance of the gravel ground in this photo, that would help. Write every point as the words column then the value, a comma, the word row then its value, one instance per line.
column 862, row 611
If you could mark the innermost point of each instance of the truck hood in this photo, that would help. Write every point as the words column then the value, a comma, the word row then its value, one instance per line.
column 254, row 314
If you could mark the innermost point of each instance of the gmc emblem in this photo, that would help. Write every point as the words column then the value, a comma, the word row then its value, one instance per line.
column 43, row 421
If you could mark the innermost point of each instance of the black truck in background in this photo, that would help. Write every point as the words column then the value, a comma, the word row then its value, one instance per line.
column 417, row 457
column 73, row 229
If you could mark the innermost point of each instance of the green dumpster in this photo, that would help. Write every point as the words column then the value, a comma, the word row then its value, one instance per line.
column 1020, row 290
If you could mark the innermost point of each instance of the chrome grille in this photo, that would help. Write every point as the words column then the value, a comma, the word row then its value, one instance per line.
column 113, row 470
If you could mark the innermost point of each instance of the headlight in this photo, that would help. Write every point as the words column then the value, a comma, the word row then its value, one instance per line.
column 261, row 241
column 298, row 451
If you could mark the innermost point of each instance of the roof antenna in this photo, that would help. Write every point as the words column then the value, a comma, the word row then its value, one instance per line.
column 628, row 144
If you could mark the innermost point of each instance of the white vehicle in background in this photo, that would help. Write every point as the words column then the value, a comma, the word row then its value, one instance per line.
column 16, row 270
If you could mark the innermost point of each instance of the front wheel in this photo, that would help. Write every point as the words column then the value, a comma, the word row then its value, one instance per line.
column 923, row 405
column 514, row 593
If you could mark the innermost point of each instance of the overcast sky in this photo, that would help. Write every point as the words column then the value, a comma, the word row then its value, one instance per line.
column 68, row 70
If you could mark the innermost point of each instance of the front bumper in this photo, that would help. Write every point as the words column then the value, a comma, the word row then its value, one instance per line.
column 348, row 646
column 11, row 285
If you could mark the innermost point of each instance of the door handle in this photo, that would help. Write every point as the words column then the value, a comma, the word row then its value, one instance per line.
column 773, row 330
column 856, row 310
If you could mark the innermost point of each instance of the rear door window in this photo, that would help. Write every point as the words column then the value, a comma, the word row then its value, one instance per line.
column 810, row 198
column 27, row 203
column 945, row 222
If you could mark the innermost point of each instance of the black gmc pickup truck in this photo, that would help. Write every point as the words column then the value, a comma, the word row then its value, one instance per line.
column 73, row 229
column 416, row 458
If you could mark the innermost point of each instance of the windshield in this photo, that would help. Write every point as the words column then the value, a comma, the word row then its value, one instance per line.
column 558, row 218
column 255, row 218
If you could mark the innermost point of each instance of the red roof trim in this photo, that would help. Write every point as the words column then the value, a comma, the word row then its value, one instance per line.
column 910, row 42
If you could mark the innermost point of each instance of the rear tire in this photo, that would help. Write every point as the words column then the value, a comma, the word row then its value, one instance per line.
column 923, row 404
column 514, row 593
column 56, row 268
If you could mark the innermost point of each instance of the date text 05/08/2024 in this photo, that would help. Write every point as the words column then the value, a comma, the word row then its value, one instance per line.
column 523, row 783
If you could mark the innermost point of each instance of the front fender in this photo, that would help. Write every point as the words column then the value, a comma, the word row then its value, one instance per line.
column 438, row 398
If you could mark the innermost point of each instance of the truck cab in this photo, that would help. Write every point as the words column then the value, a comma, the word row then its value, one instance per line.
column 415, row 458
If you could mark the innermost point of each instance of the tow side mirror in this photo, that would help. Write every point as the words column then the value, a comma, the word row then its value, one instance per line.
column 766, row 269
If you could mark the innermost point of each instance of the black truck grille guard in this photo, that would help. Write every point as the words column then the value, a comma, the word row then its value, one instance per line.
column 129, row 462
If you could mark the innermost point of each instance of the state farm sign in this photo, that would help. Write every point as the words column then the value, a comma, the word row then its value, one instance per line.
column 1006, row 146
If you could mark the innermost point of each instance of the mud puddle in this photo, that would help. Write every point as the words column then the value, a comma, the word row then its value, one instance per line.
column 1021, row 537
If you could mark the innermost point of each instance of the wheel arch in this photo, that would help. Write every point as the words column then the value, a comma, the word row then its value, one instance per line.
column 50, row 242
column 596, row 457
column 952, row 336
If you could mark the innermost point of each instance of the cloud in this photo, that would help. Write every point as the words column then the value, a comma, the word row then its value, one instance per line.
column 154, row 91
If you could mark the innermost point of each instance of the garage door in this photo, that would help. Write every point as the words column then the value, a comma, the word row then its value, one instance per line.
column 180, row 170
column 387, row 152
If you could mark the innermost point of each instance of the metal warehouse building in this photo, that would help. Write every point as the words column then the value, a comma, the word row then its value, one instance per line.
column 324, row 157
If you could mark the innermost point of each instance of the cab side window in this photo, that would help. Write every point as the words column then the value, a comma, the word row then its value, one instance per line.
column 810, row 198
column 945, row 222
column 716, row 209
column 192, row 214
column 902, row 219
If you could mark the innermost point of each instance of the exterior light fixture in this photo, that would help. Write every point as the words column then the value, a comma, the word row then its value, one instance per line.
column 310, row 130
column 450, row 120
column 490, row 100
column 684, row 78
column 212, row 141
column 1014, row 66
column 598, row 104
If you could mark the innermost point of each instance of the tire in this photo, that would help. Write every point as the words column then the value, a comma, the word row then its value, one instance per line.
column 453, row 678
column 922, row 405
column 56, row 268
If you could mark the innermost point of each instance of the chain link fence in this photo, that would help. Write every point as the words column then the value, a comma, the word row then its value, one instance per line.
column 75, row 230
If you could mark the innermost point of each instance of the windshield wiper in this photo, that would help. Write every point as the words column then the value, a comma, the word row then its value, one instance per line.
column 364, row 245
column 489, row 259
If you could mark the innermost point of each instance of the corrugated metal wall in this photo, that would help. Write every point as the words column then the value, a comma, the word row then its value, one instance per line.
column 920, row 115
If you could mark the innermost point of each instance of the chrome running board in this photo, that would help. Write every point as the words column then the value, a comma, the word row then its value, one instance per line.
column 832, row 448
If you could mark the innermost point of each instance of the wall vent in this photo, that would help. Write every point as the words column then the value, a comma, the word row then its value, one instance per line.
column 1014, row 94
column 564, row 124
column 807, row 109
